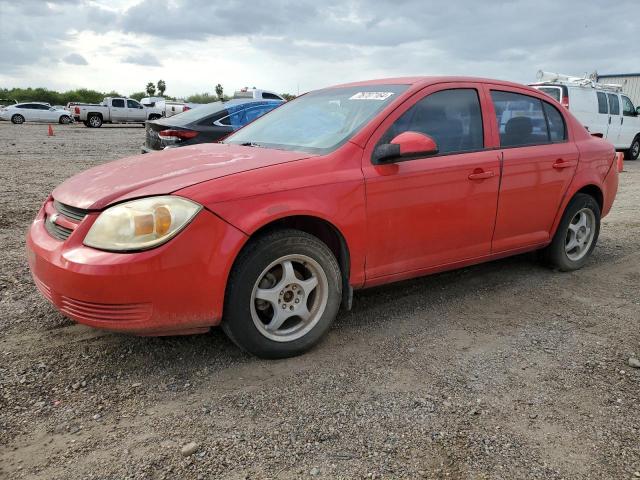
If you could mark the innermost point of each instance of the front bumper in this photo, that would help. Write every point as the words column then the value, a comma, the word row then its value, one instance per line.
column 177, row 288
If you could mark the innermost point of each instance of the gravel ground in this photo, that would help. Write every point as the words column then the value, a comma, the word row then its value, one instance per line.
column 503, row 370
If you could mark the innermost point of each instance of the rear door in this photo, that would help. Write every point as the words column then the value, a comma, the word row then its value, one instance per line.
column 539, row 160
column 439, row 209
column 615, row 119
column 30, row 112
column 118, row 110
column 135, row 111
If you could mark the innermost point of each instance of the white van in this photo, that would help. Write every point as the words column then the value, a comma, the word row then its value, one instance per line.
column 602, row 108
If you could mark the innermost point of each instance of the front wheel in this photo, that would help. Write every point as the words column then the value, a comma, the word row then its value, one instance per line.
column 634, row 150
column 17, row 119
column 577, row 234
column 65, row 119
column 283, row 294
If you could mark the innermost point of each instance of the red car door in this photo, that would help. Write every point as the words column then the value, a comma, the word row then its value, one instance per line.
column 439, row 209
column 539, row 161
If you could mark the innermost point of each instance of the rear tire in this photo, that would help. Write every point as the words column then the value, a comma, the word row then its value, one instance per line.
column 94, row 121
column 283, row 294
column 17, row 119
column 634, row 150
column 154, row 117
column 576, row 236
column 64, row 120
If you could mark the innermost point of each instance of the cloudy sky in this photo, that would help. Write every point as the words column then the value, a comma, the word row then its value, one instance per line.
column 299, row 45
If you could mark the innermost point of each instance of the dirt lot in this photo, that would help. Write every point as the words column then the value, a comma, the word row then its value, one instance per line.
column 504, row 370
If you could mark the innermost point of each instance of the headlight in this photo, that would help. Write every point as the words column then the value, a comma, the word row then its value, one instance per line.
column 141, row 224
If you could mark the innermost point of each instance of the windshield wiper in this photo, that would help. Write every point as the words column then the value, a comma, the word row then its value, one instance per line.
column 250, row 144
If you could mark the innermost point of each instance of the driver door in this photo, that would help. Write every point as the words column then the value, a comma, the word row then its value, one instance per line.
column 135, row 111
column 440, row 209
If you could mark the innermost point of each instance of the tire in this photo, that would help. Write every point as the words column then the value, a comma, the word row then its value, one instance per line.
column 582, row 211
column 634, row 150
column 266, row 268
column 64, row 120
column 17, row 119
column 154, row 117
column 94, row 121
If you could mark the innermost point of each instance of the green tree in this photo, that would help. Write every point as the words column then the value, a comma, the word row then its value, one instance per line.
column 287, row 96
column 201, row 98
column 219, row 92
column 162, row 86
column 151, row 89
column 138, row 95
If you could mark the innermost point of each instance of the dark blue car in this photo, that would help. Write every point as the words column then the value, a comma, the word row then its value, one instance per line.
column 206, row 123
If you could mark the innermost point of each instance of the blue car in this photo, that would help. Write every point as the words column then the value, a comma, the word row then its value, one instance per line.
column 206, row 123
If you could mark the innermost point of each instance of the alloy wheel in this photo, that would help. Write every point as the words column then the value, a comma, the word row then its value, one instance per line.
column 580, row 234
column 289, row 298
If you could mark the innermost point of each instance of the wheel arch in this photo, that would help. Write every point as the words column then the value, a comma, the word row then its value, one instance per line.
column 95, row 113
column 588, row 188
column 594, row 191
column 320, row 228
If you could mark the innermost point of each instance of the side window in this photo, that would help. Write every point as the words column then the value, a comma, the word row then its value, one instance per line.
column 257, row 112
column 451, row 117
column 42, row 107
column 614, row 105
column 270, row 96
column 132, row 104
column 602, row 103
column 557, row 127
column 117, row 103
column 628, row 110
column 521, row 120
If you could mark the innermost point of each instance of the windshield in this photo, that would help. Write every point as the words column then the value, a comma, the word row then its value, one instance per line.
column 319, row 121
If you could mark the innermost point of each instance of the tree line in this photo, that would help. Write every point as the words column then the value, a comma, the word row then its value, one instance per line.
column 85, row 95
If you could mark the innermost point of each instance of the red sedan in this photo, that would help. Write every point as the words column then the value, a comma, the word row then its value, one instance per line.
column 269, row 233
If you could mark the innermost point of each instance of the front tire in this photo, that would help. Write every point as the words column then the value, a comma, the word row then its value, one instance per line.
column 577, row 234
column 17, row 119
column 64, row 120
column 283, row 294
column 634, row 150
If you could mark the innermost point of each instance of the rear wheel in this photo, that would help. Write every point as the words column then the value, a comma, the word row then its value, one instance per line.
column 94, row 121
column 634, row 150
column 577, row 234
column 17, row 119
column 65, row 119
column 283, row 294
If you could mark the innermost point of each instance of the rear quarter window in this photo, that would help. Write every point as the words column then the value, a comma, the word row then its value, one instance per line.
column 602, row 103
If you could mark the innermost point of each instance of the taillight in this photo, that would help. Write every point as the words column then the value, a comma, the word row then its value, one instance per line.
column 565, row 101
column 186, row 108
column 77, row 110
column 175, row 135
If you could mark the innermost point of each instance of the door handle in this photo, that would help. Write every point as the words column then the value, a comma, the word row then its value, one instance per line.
column 560, row 164
column 481, row 175
column 621, row 120
column 609, row 119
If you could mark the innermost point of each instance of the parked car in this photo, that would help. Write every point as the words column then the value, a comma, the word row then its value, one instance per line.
column 208, row 123
column 34, row 112
column 115, row 110
column 268, row 233
column 257, row 94
column 167, row 108
column 602, row 108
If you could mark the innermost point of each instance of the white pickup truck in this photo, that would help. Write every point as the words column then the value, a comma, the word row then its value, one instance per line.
column 115, row 110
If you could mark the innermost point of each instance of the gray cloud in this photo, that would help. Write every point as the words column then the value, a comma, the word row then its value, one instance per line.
column 145, row 59
column 75, row 59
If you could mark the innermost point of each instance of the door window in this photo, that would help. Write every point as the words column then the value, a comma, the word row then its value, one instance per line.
column 521, row 119
column 614, row 105
column 555, row 122
column 117, row 103
column 628, row 110
column 132, row 104
column 602, row 103
column 451, row 117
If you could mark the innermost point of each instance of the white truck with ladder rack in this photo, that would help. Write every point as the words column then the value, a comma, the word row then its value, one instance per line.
column 602, row 108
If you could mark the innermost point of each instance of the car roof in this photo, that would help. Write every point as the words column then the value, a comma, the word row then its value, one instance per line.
column 427, row 80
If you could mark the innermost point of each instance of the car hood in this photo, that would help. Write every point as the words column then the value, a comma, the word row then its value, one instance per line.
column 164, row 172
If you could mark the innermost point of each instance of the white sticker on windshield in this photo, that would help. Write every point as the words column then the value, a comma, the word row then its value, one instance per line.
column 371, row 96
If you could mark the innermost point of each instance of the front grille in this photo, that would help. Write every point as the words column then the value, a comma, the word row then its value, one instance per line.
column 57, row 231
column 72, row 213
column 104, row 312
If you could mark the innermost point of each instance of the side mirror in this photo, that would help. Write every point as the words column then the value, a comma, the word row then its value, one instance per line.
column 406, row 146
column 140, row 106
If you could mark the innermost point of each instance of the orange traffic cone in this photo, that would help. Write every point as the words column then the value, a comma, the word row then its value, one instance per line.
column 620, row 163
column 50, row 134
